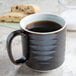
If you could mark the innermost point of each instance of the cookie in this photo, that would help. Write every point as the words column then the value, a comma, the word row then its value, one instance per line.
column 27, row 9
column 12, row 17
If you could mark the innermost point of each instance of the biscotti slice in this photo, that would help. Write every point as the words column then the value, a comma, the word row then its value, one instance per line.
column 12, row 17
column 27, row 9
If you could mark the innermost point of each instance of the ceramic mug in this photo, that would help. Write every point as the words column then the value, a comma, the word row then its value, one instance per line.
column 41, row 51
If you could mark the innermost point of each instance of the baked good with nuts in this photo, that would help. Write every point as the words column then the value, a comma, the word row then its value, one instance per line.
column 12, row 17
column 27, row 9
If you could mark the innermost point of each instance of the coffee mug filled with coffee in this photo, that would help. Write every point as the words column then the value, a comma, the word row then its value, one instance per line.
column 43, row 41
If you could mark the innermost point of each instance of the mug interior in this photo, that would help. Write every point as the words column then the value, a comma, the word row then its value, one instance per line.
column 42, row 17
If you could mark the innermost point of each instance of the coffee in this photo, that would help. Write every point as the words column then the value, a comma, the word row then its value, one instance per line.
column 43, row 26
column 42, row 51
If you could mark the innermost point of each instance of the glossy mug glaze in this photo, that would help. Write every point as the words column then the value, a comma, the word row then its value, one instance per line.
column 41, row 51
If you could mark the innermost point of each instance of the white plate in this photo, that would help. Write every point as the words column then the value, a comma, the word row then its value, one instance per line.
column 11, row 25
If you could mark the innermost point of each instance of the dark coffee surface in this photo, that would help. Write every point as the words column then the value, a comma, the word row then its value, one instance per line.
column 43, row 26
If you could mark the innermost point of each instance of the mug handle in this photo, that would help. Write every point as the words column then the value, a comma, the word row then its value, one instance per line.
column 9, row 41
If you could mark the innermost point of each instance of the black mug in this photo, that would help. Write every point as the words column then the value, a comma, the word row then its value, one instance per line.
column 41, row 51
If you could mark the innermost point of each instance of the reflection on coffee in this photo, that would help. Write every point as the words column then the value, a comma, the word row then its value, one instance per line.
column 43, row 26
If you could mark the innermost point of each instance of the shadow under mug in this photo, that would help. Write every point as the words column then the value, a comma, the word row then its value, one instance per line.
column 41, row 51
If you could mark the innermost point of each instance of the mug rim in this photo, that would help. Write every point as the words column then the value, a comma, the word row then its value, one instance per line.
column 45, row 32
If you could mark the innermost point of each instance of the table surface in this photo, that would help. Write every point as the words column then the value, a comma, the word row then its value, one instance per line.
column 8, row 69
